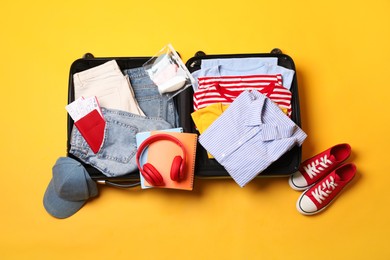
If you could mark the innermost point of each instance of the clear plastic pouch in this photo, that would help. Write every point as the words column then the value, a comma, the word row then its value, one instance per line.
column 168, row 72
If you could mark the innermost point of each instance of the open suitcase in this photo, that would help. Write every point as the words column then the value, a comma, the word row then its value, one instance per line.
column 204, row 167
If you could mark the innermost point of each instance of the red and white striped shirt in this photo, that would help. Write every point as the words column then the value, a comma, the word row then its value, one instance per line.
column 225, row 89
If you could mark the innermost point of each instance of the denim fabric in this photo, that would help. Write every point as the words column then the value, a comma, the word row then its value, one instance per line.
column 152, row 103
column 116, row 156
column 69, row 189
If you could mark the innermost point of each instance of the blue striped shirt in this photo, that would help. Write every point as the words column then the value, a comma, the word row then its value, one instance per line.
column 250, row 135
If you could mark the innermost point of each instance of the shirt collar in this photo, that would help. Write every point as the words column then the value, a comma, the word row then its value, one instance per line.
column 255, row 108
column 254, row 118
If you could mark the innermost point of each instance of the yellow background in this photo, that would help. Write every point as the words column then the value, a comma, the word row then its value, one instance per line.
column 341, row 51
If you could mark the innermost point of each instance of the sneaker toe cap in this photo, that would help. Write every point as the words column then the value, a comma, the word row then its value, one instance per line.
column 306, row 206
column 297, row 181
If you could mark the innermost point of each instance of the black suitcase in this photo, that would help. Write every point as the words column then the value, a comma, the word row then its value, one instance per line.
column 204, row 167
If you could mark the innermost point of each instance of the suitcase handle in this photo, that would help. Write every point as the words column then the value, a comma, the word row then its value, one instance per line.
column 276, row 51
column 123, row 185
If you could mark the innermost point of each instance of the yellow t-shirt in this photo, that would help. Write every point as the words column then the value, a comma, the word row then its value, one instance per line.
column 204, row 117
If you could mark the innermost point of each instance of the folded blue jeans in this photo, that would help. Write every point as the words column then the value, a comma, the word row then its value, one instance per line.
column 116, row 156
column 151, row 102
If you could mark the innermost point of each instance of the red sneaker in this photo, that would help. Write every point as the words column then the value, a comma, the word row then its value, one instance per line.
column 318, row 197
column 316, row 167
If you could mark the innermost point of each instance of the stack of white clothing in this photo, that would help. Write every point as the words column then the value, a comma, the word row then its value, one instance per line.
column 109, row 85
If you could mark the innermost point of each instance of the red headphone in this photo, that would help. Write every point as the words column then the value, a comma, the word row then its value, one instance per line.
column 150, row 173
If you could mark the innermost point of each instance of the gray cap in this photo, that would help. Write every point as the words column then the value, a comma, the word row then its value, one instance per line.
column 69, row 189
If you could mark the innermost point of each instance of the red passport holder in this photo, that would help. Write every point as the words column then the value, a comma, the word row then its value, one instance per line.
column 92, row 128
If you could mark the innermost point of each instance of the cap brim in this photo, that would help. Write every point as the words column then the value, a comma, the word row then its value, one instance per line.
column 58, row 207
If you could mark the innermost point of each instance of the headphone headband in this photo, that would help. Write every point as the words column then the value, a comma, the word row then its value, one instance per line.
column 159, row 137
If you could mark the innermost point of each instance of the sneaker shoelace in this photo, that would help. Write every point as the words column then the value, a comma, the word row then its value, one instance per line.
column 314, row 168
column 323, row 190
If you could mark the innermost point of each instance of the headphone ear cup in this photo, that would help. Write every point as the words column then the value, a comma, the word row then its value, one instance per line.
column 176, row 174
column 151, row 175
